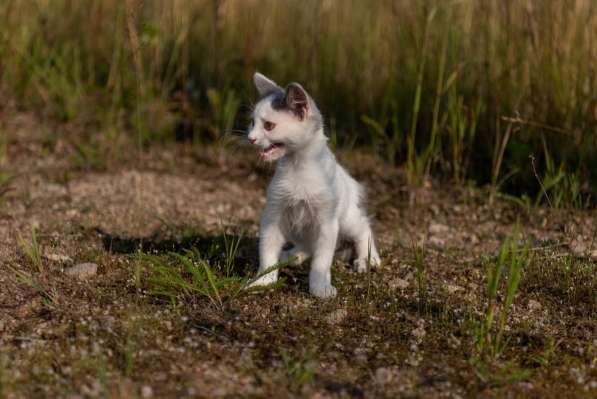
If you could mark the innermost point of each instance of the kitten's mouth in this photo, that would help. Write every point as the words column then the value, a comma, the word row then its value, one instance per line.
column 273, row 152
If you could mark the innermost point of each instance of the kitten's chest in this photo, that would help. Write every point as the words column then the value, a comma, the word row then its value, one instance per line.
column 300, row 188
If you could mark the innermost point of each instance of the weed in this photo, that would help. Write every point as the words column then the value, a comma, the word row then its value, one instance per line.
column 39, row 285
column 563, row 187
column 186, row 276
column 489, row 334
column 462, row 128
column 32, row 250
column 414, row 164
column 231, row 244
column 573, row 281
column 302, row 368
column 500, row 145
column 224, row 109
column 59, row 82
column 382, row 142
column 150, row 66
column 89, row 156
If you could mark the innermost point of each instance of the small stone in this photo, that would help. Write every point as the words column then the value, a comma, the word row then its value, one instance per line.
column 437, row 242
column 146, row 392
column 82, row 271
column 438, row 228
column 399, row 283
column 337, row 316
column 384, row 375
column 58, row 258
column 453, row 341
column 419, row 332
column 453, row 288
column 593, row 254
column 578, row 247
column 534, row 305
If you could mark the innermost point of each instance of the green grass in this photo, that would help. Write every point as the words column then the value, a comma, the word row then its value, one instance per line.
column 186, row 277
column 427, row 85
column 489, row 333
column 37, row 278
column 300, row 369
column 32, row 250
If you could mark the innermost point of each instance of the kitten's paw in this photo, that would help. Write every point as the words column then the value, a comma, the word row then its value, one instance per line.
column 323, row 291
column 363, row 264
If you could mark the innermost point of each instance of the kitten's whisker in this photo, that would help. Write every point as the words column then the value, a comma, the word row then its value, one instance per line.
column 236, row 132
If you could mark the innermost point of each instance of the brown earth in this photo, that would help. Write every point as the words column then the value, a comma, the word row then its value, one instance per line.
column 387, row 334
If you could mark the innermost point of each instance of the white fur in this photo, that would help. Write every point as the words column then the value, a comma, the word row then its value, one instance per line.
column 311, row 200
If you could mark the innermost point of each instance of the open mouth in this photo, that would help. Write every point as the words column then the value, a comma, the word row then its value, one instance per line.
column 273, row 151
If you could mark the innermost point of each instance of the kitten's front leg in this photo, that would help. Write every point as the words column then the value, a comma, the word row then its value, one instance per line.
column 271, row 241
column 320, row 276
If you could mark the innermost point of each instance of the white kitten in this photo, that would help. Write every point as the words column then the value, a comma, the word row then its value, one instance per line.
column 311, row 200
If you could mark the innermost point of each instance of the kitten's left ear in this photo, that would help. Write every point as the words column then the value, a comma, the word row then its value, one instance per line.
column 297, row 100
column 265, row 85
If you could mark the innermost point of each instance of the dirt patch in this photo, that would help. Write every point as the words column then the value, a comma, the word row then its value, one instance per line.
column 405, row 331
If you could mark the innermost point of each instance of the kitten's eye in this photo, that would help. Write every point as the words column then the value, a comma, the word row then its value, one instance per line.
column 267, row 125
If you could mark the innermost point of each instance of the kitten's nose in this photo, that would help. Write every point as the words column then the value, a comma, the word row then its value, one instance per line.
column 252, row 141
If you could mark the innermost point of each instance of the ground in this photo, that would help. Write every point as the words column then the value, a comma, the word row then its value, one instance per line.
column 410, row 329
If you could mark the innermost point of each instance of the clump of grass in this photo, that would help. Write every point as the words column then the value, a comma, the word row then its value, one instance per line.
column 567, row 279
column 300, row 369
column 32, row 250
column 231, row 244
column 489, row 334
column 35, row 279
column 188, row 276
column 558, row 187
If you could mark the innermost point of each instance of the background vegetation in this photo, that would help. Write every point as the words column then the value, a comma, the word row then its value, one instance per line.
column 499, row 92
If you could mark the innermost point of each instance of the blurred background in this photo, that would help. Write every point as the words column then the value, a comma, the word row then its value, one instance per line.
column 500, row 93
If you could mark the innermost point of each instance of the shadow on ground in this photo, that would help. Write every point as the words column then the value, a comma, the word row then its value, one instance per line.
column 214, row 248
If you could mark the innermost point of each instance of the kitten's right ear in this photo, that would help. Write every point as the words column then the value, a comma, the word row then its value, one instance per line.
column 264, row 85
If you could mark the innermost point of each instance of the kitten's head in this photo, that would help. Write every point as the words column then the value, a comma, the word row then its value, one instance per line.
column 284, row 120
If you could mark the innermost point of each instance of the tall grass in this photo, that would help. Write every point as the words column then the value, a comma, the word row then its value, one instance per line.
column 426, row 82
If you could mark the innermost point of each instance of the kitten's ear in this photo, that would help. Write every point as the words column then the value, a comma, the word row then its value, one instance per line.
column 264, row 85
column 297, row 100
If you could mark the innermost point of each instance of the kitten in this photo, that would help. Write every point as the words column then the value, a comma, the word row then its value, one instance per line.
column 311, row 200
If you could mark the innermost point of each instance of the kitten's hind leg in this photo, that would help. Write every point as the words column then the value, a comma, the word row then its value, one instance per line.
column 356, row 226
column 367, row 255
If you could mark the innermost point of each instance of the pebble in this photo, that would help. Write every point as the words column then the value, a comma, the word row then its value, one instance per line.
column 82, row 271
column 58, row 257
column 451, row 288
column 534, row 305
column 146, row 392
column 438, row 228
column 336, row 316
column 399, row 283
